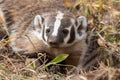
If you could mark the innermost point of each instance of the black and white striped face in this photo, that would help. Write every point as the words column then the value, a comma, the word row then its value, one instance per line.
column 60, row 30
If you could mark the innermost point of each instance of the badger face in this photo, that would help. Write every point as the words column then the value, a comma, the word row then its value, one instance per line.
column 60, row 30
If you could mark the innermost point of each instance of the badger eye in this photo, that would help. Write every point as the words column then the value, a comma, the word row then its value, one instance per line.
column 65, row 32
column 80, row 33
column 47, row 30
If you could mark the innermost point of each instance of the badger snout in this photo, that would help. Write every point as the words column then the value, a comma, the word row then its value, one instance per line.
column 54, row 41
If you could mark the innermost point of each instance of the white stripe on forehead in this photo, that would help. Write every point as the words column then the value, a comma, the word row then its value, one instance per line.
column 57, row 23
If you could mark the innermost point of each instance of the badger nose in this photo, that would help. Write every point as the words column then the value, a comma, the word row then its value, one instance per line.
column 51, row 42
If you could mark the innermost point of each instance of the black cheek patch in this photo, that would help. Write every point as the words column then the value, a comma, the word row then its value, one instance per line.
column 60, row 38
column 42, row 20
column 72, row 35
column 79, row 30
column 43, row 33
column 80, row 27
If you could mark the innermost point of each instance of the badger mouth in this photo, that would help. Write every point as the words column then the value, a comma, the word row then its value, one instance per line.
column 54, row 45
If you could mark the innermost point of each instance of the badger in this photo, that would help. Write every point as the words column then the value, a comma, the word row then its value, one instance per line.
column 42, row 26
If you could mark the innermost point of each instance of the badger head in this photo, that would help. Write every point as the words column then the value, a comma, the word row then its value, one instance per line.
column 59, row 29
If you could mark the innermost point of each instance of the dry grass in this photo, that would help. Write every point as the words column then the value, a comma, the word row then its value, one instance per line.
column 104, row 22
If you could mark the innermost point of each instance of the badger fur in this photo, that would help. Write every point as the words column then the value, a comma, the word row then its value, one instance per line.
column 37, row 26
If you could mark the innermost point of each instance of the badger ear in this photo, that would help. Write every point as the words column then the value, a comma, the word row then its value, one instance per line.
column 38, row 21
column 81, row 24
